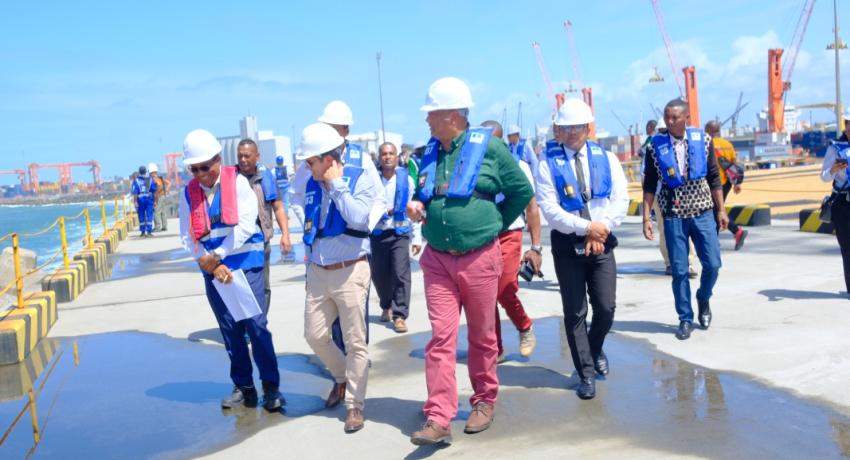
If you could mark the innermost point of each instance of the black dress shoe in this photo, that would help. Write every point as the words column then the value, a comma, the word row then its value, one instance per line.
column 684, row 332
column 273, row 400
column 586, row 389
column 704, row 314
column 601, row 363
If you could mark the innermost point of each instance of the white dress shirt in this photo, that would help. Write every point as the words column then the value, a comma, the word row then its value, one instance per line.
column 610, row 211
column 826, row 175
column 520, row 221
column 389, row 195
column 246, row 204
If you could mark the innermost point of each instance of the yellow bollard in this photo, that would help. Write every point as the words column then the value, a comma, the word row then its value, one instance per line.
column 76, row 354
column 116, row 210
column 124, row 208
column 36, row 435
column 103, row 215
column 19, row 279
column 89, row 240
column 64, row 237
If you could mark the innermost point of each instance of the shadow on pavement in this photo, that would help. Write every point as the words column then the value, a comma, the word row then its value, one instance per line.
column 774, row 295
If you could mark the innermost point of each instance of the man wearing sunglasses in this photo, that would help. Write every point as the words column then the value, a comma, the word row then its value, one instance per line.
column 218, row 226
column 337, row 203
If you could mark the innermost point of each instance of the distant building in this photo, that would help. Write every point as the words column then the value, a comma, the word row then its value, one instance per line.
column 248, row 128
column 792, row 116
column 228, row 149
column 372, row 140
column 271, row 146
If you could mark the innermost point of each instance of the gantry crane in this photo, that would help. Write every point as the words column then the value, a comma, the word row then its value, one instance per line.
column 586, row 92
column 64, row 173
column 779, row 76
column 557, row 99
column 22, row 176
column 172, row 169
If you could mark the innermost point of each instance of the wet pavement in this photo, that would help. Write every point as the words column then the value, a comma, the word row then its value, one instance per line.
column 142, row 395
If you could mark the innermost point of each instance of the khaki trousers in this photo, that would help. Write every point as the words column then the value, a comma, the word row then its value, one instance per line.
column 340, row 293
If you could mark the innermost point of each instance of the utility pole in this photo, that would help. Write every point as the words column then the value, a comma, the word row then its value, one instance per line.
column 839, row 119
column 381, row 97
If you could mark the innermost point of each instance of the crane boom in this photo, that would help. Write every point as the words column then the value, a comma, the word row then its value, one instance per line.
column 668, row 45
column 539, row 55
column 797, row 40
column 568, row 27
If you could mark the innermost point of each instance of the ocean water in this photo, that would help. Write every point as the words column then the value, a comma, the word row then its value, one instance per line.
column 27, row 219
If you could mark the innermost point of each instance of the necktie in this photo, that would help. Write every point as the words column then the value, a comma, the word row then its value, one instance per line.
column 582, row 185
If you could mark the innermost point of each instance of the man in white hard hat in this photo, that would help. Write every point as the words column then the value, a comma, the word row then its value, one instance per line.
column 681, row 172
column 510, row 242
column 269, row 204
column 337, row 201
column 160, row 214
column 462, row 171
column 583, row 194
column 520, row 149
column 218, row 226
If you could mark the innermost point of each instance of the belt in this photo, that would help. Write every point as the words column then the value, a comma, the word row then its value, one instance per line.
column 343, row 264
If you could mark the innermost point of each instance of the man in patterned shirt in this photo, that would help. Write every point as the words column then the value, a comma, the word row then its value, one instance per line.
column 684, row 161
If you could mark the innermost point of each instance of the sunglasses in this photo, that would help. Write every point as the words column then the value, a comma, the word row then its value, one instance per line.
column 195, row 169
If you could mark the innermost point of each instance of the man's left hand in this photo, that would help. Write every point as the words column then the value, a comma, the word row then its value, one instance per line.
column 534, row 258
column 722, row 219
column 416, row 249
column 736, row 188
column 285, row 244
column 334, row 171
column 208, row 263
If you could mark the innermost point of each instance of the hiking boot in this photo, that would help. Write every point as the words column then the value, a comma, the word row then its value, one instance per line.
column 740, row 235
column 480, row 418
column 245, row 396
column 431, row 433
column 527, row 342
column 399, row 325
column 273, row 400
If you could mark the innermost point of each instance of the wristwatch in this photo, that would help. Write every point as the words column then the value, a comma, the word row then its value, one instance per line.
column 537, row 249
column 217, row 258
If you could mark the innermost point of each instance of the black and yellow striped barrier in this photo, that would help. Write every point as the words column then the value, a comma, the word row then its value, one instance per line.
column 67, row 283
column 810, row 222
column 22, row 328
column 110, row 239
column 635, row 208
column 17, row 379
column 96, row 262
column 753, row 215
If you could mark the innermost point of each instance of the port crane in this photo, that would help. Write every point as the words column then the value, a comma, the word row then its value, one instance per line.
column 557, row 99
column 586, row 92
column 22, row 176
column 64, row 169
column 172, row 169
column 688, row 90
column 779, row 76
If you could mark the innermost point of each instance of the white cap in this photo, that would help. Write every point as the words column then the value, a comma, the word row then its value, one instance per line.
column 847, row 113
column 337, row 113
column 574, row 112
column 200, row 146
column 152, row 168
column 317, row 139
column 513, row 129
column 447, row 93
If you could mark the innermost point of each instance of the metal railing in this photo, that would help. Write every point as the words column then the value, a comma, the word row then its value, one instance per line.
column 18, row 281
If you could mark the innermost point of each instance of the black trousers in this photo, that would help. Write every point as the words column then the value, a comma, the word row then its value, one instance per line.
column 267, row 285
column 578, row 277
column 390, row 264
column 841, row 223
column 726, row 188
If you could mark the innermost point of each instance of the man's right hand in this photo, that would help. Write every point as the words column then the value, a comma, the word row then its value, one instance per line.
column 415, row 210
column 647, row 230
column 597, row 231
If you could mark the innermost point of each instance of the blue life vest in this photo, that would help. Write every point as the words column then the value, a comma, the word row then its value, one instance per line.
column 842, row 152
column 353, row 155
column 144, row 188
column 465, row 174
column 267, row 183
column 249, row 255
column 518, row 150
column 665, row 154
column 564, row 178
column 334, row 224
column 281, row 177
column 401, row 224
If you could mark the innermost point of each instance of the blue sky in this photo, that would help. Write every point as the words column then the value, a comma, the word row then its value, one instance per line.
column 122, row 82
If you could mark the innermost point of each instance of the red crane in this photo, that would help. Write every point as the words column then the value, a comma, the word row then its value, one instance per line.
column 556, row 101
column 22, row 176
column 172, row 169
column 64, row 173
column 668, row 45
column 779, row 77
column 95, row 171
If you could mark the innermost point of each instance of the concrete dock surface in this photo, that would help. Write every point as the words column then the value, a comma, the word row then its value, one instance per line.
column 768, row 380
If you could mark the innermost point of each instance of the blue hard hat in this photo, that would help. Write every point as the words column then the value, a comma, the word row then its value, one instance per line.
column 280, row 158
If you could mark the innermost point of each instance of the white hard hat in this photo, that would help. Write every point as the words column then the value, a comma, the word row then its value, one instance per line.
column 446, row 94
column 337, row 113
column 661, row 124
column 847, row 113
column 574, row 112
column 317, row 139
column 513, row 129
column 152, row 168
column 200, row 146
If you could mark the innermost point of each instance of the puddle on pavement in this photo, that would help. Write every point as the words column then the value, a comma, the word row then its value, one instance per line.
column 139, row 395
column 650, row 400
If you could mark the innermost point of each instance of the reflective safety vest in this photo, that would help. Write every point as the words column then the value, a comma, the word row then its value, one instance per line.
column 334, row 224
column 353, row 155
column 665, row 154
column 465, row 174
column 281, row 176
column 518, row 150
column 842, row 152
column 144, row 188
column 401, row 224
column 249, row 255
column 565, row 180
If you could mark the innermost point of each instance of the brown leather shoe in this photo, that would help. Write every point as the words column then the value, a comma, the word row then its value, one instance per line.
column 431, row 433
column 353, row 420
column 479, row 419
column 399, row 325
column 337, row 395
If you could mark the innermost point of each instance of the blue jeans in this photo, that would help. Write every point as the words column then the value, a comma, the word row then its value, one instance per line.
column 233, row 333
column 702, row 229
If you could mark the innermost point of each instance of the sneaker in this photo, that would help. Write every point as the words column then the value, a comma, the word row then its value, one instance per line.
column 527, row 341
column 245, row 396
column 739, row 238
column 273, row 400
column 432, row 433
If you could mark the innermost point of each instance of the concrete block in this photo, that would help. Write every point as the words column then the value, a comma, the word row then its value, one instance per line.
column 22, row 328
column 749, row 215
column 810, row 222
